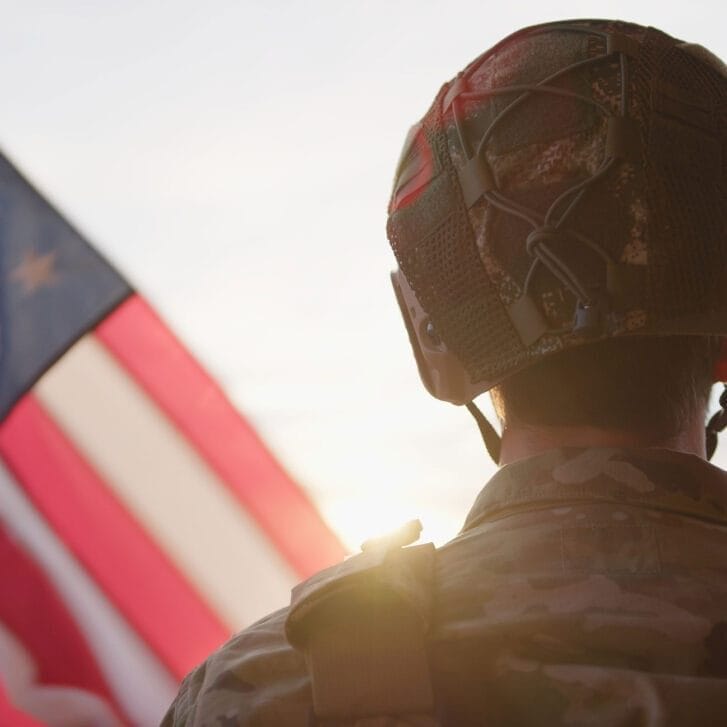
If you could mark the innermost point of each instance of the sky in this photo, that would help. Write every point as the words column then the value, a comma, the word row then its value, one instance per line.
column 234, row 161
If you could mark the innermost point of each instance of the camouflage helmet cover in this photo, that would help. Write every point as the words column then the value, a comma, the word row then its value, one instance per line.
column 568, row 185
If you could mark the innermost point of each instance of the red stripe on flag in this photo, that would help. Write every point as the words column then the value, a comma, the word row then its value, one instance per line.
column 121, row 557
column 37, row 616
column 192, row 400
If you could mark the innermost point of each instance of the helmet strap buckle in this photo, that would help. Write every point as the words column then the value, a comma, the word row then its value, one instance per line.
column 716, row 424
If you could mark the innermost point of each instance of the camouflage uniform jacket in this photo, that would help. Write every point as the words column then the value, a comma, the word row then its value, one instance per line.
column 587, row 587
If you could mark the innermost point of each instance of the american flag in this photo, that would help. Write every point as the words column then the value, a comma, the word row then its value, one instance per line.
column 142, row 520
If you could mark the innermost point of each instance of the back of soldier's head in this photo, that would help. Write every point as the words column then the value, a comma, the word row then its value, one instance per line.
column 654, row 384
column 562, row 198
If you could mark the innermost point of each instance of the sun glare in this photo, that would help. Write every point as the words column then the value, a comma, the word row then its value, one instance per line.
column 359, row 519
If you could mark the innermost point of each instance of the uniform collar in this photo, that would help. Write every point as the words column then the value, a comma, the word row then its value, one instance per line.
column 656, row 478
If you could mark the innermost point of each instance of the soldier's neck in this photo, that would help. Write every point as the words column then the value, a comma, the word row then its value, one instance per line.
column 520, row 442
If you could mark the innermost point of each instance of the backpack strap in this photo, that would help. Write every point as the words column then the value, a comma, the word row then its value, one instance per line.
column 361, row 626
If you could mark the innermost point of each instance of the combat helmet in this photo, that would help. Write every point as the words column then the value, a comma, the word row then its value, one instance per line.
column 567, row 186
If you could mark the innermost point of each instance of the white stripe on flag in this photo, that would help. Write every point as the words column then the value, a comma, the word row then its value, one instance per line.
column 142, row 686
column 170, row 489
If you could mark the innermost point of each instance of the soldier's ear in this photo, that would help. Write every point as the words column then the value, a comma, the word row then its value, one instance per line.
column 720, row 368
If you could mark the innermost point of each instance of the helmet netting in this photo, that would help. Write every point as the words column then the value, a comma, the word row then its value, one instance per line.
column 658, row 215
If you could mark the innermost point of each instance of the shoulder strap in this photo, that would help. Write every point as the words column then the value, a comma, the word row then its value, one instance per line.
column 361, row 625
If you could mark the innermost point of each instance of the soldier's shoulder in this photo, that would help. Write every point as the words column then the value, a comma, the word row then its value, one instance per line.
column 254, row 678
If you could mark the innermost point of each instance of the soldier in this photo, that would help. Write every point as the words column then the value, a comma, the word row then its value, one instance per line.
column 559, row 222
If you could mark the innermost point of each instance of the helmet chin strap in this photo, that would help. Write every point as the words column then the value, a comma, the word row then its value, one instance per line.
column 490, row 437
column 717, row 423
